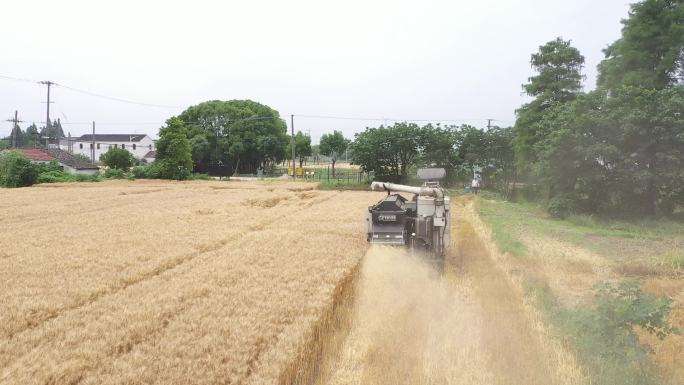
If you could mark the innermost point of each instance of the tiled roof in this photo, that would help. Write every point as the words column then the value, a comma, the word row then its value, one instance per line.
column 35, row 154
column 151, row 154
column 71, row 160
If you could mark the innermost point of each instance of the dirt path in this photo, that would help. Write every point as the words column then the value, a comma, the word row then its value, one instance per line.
column 412, row 325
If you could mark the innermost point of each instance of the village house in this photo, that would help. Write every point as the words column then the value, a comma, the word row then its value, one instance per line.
column 69, row 162
column 139, row 145
column 150, row 157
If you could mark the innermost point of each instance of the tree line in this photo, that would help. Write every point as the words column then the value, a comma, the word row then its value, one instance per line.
column 240, row 135
column 618, row 149
column 393, row 152
column 33, row 136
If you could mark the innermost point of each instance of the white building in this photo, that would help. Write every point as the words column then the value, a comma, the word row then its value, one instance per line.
column 137, row 144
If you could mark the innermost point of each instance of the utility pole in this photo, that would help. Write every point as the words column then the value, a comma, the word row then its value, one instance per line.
column 15, row 128
column 294, row 170
column 489, row 124
column 92, row 150
column 47, row 121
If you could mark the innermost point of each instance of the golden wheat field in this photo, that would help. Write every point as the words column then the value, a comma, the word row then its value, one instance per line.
column 161, row 282
column 209, row 282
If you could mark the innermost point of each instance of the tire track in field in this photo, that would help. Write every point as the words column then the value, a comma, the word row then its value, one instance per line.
column 412, row 325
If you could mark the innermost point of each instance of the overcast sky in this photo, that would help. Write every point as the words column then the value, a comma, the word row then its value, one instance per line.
column 395, row 60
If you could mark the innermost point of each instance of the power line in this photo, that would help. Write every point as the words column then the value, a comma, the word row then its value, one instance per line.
column 18, row 79
column 156, row 123
column 390, row 119
column 120, row 100
column 128, row 101
column 74, row 89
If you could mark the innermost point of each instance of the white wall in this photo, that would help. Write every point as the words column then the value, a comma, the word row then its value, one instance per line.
column 141, row 148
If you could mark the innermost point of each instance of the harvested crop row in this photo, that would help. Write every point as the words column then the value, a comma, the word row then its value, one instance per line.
column 228, row 293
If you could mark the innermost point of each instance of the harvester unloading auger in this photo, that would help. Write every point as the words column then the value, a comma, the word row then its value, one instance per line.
column 422, row 223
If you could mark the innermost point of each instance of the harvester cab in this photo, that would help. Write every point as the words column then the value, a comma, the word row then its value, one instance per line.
column 421, row 223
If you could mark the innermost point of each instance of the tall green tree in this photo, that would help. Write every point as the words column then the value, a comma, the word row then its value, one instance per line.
column 389, row 151
column 559, row 79
column 438, row 146
column 302, row 147
column 650, row 53
column 32, row 136
column 501, row 170
column 241, row 133
column 200, row 147
column 174, row 153
column 17, row 136
column 316, row 153
column 54, row 133
column 491, row 152
column 333, row 146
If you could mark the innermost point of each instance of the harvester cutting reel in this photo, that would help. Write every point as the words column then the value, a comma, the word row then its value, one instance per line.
column 421, row 223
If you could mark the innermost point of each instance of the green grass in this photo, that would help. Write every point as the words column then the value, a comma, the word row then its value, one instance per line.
column 503, row 227
column 673, row 260
column 600, row 330
column 646, row 238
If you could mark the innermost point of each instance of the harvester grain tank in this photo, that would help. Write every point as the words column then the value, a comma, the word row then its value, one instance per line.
column 421, row 223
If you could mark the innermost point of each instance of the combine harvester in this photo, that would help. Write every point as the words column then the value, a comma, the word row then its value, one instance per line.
column 421, row 224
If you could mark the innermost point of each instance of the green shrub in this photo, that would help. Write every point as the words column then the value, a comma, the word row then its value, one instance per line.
column 115, row 173
column 604, row 333
column 54, row 177
column 198, row 176
column 118, row 158
column 86, row 178
column 561, row 206
column 53, row 165
column 58, row 176
column 16, row 170
column 147, row 171
column 173, row 169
